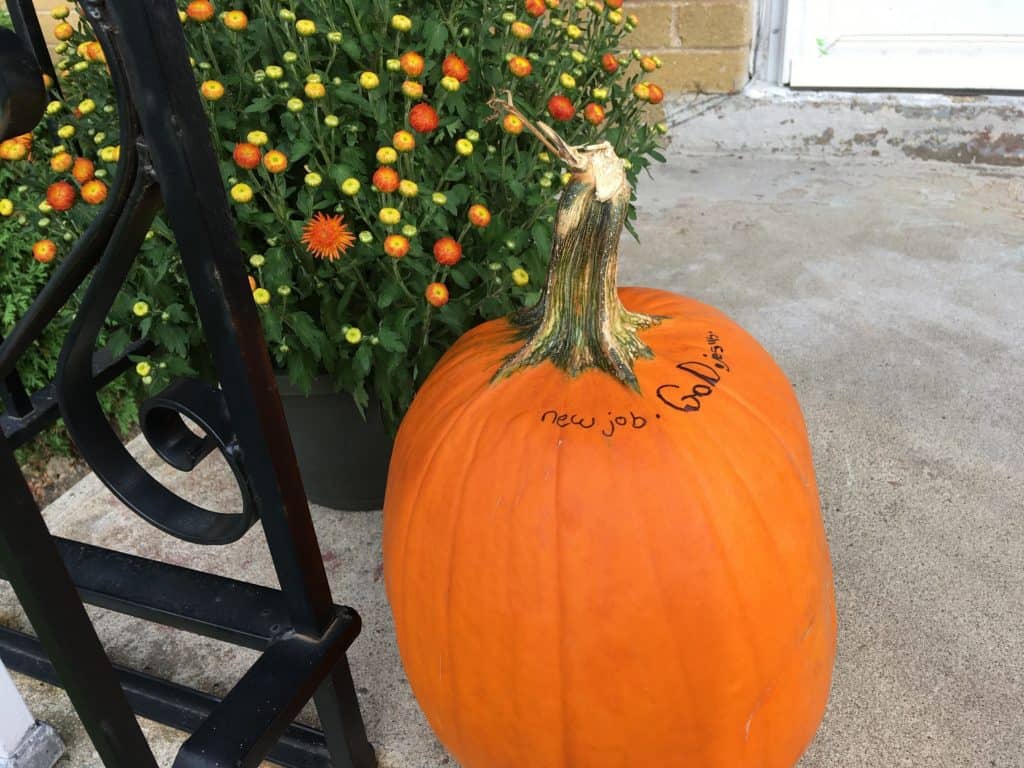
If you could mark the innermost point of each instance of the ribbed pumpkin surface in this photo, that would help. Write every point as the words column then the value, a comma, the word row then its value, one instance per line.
column 647, row 593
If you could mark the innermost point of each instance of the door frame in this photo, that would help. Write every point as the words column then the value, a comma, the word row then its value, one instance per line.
column 769, row 58
column 777, row 33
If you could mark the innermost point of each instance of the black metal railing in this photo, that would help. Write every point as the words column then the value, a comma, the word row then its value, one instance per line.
column 167, row 164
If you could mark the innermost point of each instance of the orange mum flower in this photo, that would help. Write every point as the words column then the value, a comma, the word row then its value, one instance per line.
column 327, row 237
column 455, row 66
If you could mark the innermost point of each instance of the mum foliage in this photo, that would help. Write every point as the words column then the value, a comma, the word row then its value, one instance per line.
column 381, row 208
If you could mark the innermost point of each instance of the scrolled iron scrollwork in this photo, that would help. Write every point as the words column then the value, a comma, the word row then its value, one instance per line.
column 110, row 246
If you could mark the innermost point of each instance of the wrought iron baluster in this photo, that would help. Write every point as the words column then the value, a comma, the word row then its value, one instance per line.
column 168, row 162
column 35, row 570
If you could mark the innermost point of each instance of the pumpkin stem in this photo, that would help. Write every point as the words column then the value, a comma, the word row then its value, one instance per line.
column 579, row 322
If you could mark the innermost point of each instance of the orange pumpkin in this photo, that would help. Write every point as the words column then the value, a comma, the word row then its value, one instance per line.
column 602, row 543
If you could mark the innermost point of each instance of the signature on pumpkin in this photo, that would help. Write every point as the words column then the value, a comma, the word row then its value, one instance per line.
column 701, row 379
column 708, row 373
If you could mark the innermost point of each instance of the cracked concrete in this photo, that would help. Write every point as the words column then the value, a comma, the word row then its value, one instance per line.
column 890, row 290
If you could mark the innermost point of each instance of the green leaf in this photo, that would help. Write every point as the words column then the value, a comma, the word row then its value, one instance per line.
column 541, row 238
column 390, row 340
column 307, row 331
column 435, row 34
column 260, row 105
column 299, row 150
column 460, row 278
column 173, row 338
column 363, row 358
column 301, row 370
column 388, row 294
column 118, row 341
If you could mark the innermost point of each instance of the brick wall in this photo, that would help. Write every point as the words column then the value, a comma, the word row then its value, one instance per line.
column 705, row 45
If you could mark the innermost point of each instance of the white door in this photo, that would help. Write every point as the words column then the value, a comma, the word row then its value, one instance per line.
column 919, row 44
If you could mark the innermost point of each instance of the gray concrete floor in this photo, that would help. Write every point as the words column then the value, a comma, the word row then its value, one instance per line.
column 891, row 291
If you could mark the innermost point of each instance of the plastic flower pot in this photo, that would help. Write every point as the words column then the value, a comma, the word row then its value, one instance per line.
column 343, row 457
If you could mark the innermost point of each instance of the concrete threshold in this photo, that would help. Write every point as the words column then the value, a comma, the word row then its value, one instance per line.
column 962, row 129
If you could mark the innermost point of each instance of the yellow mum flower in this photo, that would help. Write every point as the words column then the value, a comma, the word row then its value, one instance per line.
column 212, row 90
column 390, row 215
column 241, row 193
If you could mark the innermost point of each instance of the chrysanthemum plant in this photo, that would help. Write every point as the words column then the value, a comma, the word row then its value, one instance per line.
column 382, row 209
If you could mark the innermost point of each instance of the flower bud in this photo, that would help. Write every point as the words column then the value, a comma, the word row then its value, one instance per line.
column 401, row 23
